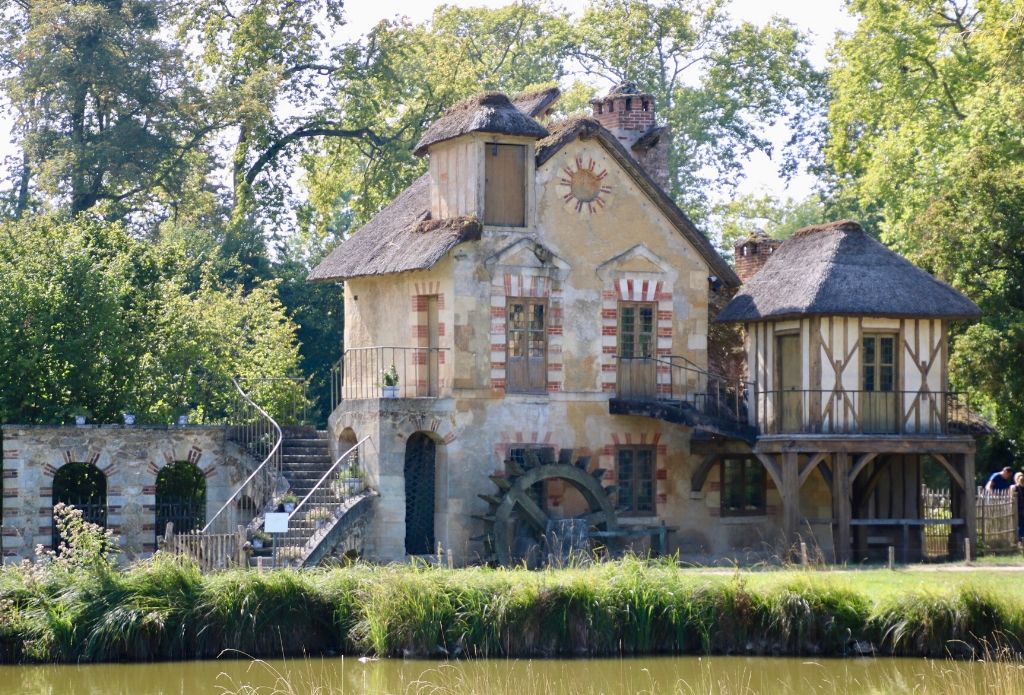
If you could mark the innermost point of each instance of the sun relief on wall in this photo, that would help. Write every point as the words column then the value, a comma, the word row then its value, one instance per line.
column 584, row 185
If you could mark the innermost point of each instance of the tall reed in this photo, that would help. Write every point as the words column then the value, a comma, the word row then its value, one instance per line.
column 166, row 609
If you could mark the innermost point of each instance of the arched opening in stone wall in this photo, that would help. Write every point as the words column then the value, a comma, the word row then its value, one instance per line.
column 180, row 497
column 420, row 476
column 83, row 486
column 346, row 441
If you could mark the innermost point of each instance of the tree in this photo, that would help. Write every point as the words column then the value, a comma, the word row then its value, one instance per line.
column 720, row 85
column 106, row 114
column 925, row 131
column 736, row 219
column 98, row 322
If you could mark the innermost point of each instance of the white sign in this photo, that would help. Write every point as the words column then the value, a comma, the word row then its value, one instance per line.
column 276, row 522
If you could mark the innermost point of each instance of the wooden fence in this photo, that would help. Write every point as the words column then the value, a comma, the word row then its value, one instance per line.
column 211, row 551
column 996, row 517
column 997, row 521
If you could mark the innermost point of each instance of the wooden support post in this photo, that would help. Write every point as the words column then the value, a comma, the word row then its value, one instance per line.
column 243, row 560
column 790, row 498
column 803, row 555
column 841, row 506
column 970, row 501
column 967, row 550
column 892, row 558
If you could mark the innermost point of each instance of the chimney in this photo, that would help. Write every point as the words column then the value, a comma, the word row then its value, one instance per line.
column 629, row 114
column 752, row 253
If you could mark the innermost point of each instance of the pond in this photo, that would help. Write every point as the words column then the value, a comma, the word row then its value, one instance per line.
column 647, row 675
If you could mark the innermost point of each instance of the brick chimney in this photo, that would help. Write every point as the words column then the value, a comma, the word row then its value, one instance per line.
column 752, row 253
column 629, row 114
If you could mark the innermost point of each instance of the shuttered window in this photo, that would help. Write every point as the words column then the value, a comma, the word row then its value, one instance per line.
column 505, row 185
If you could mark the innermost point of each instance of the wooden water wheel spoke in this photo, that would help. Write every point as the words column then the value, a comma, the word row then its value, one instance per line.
column 530, row 510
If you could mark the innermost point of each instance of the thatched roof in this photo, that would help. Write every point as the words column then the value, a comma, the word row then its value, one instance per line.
column 837, row 269
column 490, row 112
column 589, row 128
column 400, row 237
column 534, row 103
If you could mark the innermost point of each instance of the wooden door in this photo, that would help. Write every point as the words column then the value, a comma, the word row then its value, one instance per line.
column 791, row 395
column 433, row 343
column 526, row 362
column 636, row 372
column 505, row 185
column 879, row 407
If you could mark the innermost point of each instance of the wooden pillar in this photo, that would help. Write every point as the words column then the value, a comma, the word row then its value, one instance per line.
column 842, row 508
column 970, row 500
column 790, row 497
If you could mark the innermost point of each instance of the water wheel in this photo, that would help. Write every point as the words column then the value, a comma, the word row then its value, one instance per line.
column 514, row 514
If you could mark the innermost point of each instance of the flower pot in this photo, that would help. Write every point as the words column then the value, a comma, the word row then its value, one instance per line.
column 257, row 543
column 390, row 391
column 320, row 523
column 289, row 507
column 351, row 486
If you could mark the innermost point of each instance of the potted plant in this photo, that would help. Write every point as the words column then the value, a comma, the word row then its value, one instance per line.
column 261, row 539
column 350, row 482
column 289, row 553
column 288, row 502
column 320, row 516
column 389, row 381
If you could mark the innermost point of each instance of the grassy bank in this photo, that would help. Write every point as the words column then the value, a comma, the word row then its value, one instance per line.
column 166, row 609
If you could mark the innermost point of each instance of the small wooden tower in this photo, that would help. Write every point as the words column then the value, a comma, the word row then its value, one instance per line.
column 847, row 343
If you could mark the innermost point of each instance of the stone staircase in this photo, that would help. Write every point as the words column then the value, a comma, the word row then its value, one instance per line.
column 319, row 524
column 305, row 457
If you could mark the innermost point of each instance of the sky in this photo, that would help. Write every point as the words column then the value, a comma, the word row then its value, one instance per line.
column 821, row 19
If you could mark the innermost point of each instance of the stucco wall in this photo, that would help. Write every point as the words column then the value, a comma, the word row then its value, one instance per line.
column 129, row 457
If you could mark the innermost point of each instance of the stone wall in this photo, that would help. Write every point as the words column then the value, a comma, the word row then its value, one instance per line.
column 129, row 457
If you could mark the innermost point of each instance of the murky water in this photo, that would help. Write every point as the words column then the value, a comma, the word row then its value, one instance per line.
column 648, row 675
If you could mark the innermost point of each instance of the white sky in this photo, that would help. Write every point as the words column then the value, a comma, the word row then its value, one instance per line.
column 820, row 18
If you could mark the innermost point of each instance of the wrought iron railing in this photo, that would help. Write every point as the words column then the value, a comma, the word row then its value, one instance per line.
column 257, row 433
column 315, row 513
column 419, row 372
column 286, row 397
column 861, row 412
column 677, row 380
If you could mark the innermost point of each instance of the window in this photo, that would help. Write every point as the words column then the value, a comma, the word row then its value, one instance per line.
column 635, row 472
column 743, row 487
column 879, row 362
column 505, row 186
column 526, row 362
column 636, row 330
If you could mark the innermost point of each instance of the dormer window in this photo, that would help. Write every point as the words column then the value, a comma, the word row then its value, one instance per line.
column 505, row 185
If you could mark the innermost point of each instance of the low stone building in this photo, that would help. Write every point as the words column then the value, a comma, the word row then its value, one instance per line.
column 126, row 478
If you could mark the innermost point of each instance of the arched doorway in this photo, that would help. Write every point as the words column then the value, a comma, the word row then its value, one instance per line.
column 83, row 486
column 420, row 454
column 180, row 497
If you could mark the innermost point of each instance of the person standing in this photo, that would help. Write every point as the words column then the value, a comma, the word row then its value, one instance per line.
column 1000, row 480
column 1017, row 490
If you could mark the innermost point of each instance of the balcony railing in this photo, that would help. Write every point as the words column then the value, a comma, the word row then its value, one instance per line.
column 863, row 412
column 362, row 373
column 678, row 381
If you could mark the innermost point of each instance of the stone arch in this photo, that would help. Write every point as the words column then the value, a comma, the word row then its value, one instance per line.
column 84, row 486
column 180, row 497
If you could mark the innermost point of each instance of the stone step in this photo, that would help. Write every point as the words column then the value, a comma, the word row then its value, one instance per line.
column 299, row 458
column 304, row 441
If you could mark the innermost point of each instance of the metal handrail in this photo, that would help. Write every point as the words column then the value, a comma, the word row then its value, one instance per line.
column 274, row 456
column 324, row 477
